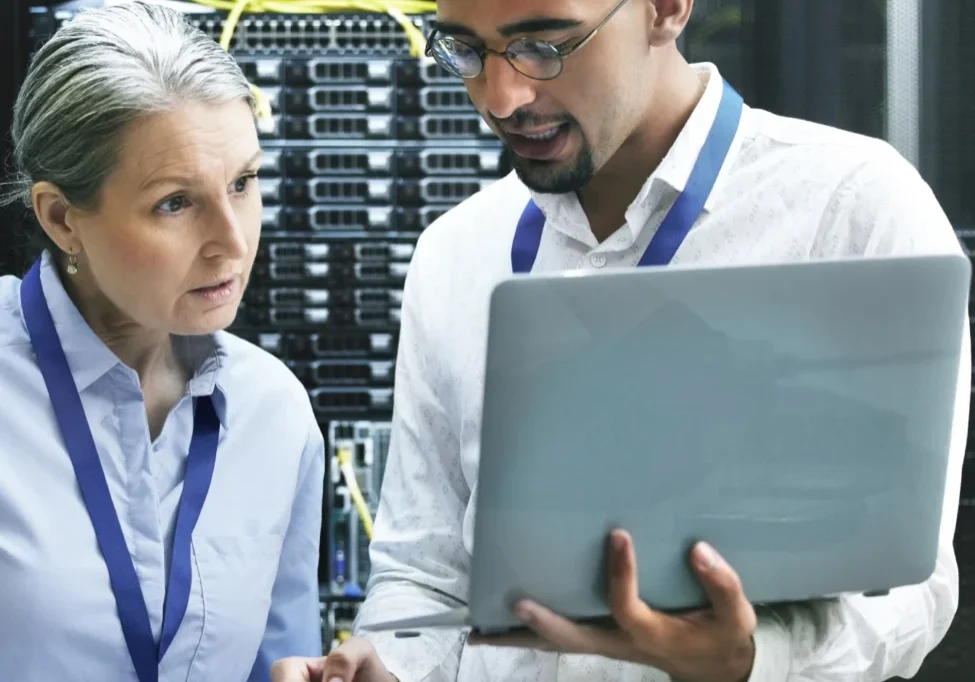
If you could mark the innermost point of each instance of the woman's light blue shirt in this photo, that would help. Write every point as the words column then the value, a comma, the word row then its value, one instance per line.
column 255, row 549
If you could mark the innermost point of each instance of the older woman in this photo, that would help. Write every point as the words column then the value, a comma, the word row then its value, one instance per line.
column 160, row 479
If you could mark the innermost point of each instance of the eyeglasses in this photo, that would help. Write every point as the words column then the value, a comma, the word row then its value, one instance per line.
column 536, row 59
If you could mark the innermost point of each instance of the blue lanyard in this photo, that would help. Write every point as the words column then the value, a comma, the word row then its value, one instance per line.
column 682, row 215
column 132, row 611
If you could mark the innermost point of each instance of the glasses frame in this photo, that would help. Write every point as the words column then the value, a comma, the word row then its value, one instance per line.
column 562, row 53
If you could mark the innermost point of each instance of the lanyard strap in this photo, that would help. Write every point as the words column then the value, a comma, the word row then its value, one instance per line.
column 682, row 215
column 70, row 414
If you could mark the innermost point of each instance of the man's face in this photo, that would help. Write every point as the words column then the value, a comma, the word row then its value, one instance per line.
column 560, row 131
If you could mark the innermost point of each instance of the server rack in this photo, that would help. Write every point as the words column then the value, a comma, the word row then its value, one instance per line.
column 14, row 51
column 944, row 98
column 367, row 146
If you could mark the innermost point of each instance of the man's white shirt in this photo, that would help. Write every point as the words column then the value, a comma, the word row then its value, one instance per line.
column 789, row 190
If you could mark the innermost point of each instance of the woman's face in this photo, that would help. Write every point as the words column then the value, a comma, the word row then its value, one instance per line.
column 173, row 240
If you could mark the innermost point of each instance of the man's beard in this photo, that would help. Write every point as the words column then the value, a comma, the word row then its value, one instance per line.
column 547, row 177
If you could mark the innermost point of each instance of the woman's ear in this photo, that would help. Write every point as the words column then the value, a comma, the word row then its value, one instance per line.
column 54, row 214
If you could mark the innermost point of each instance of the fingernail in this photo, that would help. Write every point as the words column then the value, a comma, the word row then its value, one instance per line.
column 336, row 679
column 523, row 613
column 709, row 557
column 617, row 561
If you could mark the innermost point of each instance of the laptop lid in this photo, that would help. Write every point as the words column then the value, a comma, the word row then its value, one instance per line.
column 795, row 416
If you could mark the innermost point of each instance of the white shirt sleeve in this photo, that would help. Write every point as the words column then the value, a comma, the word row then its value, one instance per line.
column 884, row 209
column 419, row 563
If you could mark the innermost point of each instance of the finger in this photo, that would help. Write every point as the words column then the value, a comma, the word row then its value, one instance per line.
column 347, row 659
column 566, row 636
column 298, row 669
column 723, row 587
column 632, row 614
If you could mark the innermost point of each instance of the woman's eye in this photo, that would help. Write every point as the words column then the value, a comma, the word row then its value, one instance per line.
column 242, row 184
column 174, row 204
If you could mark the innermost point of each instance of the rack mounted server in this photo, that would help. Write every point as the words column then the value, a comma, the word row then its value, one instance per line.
column 366, row 148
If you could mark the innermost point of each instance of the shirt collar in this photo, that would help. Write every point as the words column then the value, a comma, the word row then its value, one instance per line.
column 207, row 354
column 565, row 213
column 90, row 359
column 676, row 167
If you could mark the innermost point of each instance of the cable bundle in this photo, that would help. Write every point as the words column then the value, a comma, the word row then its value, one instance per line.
column 397, row 9
column 348, row 472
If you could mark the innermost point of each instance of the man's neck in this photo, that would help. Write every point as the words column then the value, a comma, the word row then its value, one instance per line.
column 611, row 191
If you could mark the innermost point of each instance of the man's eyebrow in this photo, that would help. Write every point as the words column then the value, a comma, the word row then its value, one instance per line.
column 538, row 25
column 452, row 29
column 534, row 25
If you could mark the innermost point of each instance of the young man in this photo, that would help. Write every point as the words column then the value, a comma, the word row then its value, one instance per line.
column 606, row 131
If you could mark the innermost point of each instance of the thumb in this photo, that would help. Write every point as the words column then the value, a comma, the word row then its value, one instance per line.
column 297, row 669
column 354, row 660
column 629, row 611
column 723, row 587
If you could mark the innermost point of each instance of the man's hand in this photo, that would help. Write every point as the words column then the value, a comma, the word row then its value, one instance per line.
column 714, row 645
column 354, row 661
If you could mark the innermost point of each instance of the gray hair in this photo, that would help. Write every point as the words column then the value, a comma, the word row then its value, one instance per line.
column 99, row 73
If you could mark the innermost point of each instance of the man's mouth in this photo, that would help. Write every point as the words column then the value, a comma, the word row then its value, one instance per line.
column 540, row 144
column 545, row 134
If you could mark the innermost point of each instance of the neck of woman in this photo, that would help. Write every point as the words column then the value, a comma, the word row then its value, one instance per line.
column 162, row 375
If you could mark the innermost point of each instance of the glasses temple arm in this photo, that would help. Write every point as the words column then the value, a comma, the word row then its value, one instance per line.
column 593, row 32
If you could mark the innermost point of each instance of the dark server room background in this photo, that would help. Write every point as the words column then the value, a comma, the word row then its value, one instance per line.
column 370, row 146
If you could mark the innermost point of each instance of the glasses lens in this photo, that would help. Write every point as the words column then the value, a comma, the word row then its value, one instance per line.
column 535, row 58
column 456, row 57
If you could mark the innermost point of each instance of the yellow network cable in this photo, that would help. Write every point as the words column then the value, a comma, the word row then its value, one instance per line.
column 345, row 465
column 398, row 9
column 263, row 105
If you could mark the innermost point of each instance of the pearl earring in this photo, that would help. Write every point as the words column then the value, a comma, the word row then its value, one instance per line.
column 72, row 264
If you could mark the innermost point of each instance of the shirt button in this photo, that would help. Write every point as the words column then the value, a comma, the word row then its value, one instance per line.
column 598, row 260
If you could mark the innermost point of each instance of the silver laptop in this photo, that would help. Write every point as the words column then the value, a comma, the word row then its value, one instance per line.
column 795, row 416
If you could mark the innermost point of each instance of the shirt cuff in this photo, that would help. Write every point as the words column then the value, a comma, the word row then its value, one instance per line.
column 391, row 654
column 773, row 651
